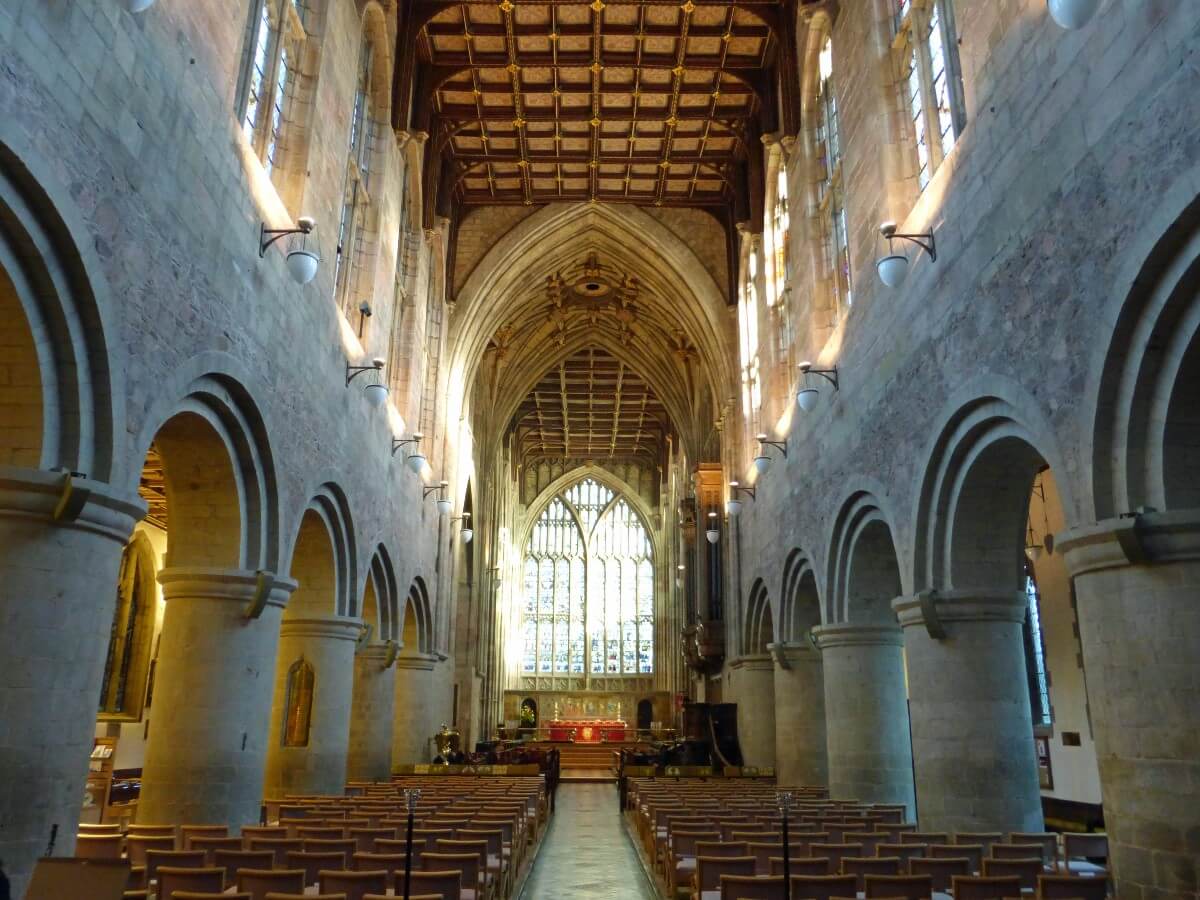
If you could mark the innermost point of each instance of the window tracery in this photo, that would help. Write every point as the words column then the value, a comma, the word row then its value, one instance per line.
column 831, row 194
column 589, row 587
column 356, row 195
column 276, row 37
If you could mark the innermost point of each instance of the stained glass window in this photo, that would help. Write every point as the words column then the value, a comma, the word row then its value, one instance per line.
column 931, row 87
column 589, row 587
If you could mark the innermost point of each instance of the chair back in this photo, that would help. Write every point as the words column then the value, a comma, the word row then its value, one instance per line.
column 1017, row 851
column 262, row 831
column 823, row 887
column 87, row 828
column 982, row 887
column 320, row 832
column 1085, row 846
column 137, row 845
column 904, row 852
column 177, row 878
column 152, row 831
column 762, row 853
column 685, row 841
column 260, row 882
column 279, row 847
column 722, row 848
column 188, row 832
column 941, row 870
column 466, row 863
column 205, row 895
column 445, row 884
column 1048, row 841
column 98, row 846
column 862, row 866
column 232, row 860
column 209, row 845
column 984, row 838
column 355, row 885
column 365, row 837
column 1027, row 870
column 345, row 846
column 802, row 865
column 924, row 837
column 899, row 887
column 1071, row 887
column 869, row 840
column 313, row 863
column 709, row 870
column 750, row 887
column 973, row 852
column 835, row 852
column 180, row 859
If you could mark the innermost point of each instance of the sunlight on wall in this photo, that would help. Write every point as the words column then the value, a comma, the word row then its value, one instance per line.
column 262, row 189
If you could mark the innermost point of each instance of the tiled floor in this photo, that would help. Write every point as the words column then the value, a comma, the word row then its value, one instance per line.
column 586, row 855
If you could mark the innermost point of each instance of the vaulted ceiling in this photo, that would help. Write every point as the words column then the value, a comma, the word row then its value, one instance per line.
column 591, row 406
column 656, row 102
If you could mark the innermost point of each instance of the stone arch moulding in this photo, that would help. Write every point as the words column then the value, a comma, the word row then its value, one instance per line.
column 330, row 504
column 213, row 386
column 759, row 630
column 418, row 601
column 48, row 253
column 1142, row 378
column 606, row 478
column 797, row 569
column 976, row 425
column 387, row 594
column 863, row 513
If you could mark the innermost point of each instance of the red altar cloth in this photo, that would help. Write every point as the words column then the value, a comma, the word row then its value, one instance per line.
column 587, row 731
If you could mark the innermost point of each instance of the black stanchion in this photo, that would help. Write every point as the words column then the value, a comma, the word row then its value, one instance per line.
column 786, row 799
column 411, row 796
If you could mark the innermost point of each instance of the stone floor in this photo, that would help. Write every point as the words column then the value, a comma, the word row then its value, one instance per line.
column 586, row 854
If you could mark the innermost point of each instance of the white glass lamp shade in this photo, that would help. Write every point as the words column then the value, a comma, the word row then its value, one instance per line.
column 806, row 399
column 445, row 506
column 467, row 534
column 892, row 269
column 137, row 6
column 377, row 394
column 416, row 462
column 303, row 265
column 1034, row 552
column 712, row 535
column 762, row 462
column 733, row 507
column 1072, row 14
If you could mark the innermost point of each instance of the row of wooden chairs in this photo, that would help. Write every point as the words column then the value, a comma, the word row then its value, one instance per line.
column 904, row 887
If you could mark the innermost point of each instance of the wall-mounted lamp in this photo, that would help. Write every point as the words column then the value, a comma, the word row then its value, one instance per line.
column 466, row 532
column 444, row 504
column 377, row 392
column 1072, row 14
column 301, row 261
column 733, row 505
column 762, row 462
column 679, row 570
column 806, row 396
column 893, row 267
column 416, row 460
column 364, row 313
column 713, row 534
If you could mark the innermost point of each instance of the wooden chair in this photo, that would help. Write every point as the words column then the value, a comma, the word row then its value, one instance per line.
column 762, row 853
column 709, row 870
column 98, row 846
column 279, row 847
column 870, row 840
column 924, row 837
column 802, row 865
column 681, row 867
column 942, row 871
column 198, row 895
column 212, row 844
column 862, row 866
column 179, row 859
column 172, row 879
column 314, row 863
column 374, row 862
column 751, row 887
column 314, row 832
column 276, row 896
column 983, row 887
column 1047, row 840
column 835, row 853
column 348, row 846
column 137, row 845
column 90, row 829
column 250, row 832
column 903, row 852
column 823, row 887
column 391, row 845
column 1080, row 849
column 1027, row 870
column 471, row 879
column 985, row 838
column 1065, row 887
column 973, row 853
column 153, row 831
column 232, row 860
column 366, row 837
column 899, row 887
column 260, row 882
column 354, row 885
column 445, row 884
column 187, row 833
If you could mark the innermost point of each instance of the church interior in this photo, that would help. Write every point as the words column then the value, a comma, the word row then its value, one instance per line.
column 745, row 449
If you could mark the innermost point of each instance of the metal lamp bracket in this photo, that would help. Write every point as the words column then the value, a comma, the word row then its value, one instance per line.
column 268, row 236
column 924, row 240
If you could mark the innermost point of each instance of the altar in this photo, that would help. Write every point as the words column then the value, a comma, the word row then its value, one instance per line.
column 587, row 730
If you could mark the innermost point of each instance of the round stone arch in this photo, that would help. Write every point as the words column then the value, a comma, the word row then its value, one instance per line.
column 970, row 520
column 381, row 592
column 1146, row 423
column 864, row 573
column 55, row 313
column 419, row 607
column 759, row 630
column 799, row 599
column 324, row 551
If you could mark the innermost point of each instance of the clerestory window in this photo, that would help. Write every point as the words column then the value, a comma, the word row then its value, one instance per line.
column 831, row 192
column 275, row 39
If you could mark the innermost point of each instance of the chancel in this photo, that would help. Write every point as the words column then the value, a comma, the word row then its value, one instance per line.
column 517, row 450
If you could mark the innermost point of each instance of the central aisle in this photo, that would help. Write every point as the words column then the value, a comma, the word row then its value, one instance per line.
column 586, row 853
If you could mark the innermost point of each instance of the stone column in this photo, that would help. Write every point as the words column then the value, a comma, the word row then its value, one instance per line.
column 866, row 713
column 976, row 767
column 59, row 577
column 800, row 752
column 319, row 767
column 212, row 697
column 371, row 715
column 1137, row 589
column 412, row 723
column 753, row 684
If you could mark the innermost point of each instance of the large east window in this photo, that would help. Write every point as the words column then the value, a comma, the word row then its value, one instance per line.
column 275, row 39
column 929, row 77
column 589, row 587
